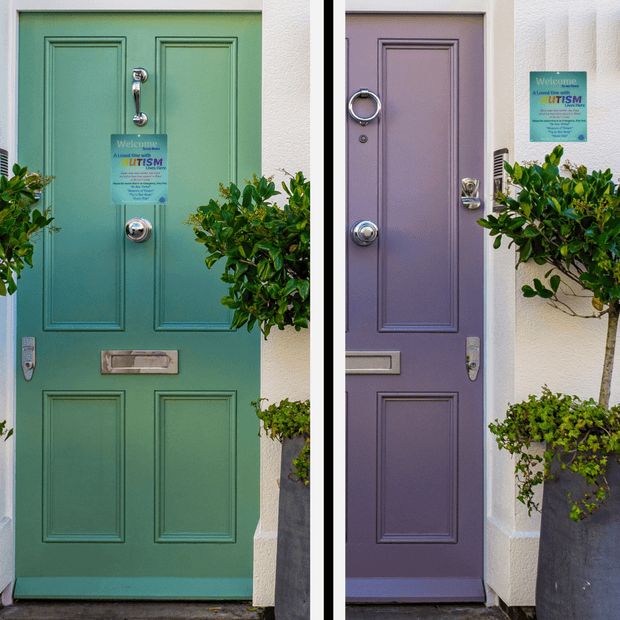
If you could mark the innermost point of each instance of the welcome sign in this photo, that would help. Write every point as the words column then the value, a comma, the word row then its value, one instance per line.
column 558, row 106
column 139, row 173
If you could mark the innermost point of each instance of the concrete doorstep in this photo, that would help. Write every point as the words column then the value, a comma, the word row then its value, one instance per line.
column 425, row 612
column 131, row 610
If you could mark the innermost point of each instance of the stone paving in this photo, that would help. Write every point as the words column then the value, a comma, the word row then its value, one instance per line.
column 424, row 612
column 131, row 610
column 224, row 610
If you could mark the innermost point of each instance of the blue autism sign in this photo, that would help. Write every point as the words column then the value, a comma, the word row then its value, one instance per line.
column 139, row 173
column 558, row 106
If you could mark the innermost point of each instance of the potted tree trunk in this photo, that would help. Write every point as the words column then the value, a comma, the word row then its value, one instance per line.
column 267, row 251
column 571, row 223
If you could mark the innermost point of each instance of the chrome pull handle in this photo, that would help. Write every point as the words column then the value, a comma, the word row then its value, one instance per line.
column 139, row 75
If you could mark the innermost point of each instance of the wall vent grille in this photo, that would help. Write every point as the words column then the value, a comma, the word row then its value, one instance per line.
column 4, row 162
column 499, row 174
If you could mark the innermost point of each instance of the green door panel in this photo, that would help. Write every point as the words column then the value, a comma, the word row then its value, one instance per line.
column 138, row 485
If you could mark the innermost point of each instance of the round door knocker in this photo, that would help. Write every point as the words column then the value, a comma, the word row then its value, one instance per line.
column 363, row 94
column 138, row 229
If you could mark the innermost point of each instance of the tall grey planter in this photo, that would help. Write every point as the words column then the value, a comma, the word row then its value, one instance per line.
column 292, row 596
column 579, row 563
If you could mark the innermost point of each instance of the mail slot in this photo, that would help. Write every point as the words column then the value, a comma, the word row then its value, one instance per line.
column 139, row 362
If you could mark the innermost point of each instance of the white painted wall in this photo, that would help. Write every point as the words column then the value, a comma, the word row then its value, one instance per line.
column 543, row 345
column 286, row 144
column 285, row 355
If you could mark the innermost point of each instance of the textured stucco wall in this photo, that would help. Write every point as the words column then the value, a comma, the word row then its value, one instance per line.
column 548, row 347
column 7, row 309
column 285, row 355
column 583, row 35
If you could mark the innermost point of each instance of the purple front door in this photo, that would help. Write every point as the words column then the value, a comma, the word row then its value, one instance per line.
column 415, row 297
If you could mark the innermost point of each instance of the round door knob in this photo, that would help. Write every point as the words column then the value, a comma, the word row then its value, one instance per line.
column 138, row 229
column 364, row 232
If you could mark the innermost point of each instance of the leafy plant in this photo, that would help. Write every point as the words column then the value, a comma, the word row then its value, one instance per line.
column 571, row 223
column 587, row 433
column 5, row 432
column 267, row 251
column 288, row 419
column 19, row 223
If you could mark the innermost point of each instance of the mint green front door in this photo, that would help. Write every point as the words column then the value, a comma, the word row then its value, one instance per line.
column 135, row 485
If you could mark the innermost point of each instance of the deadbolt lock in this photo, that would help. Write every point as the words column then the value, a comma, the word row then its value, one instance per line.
column 470, row 193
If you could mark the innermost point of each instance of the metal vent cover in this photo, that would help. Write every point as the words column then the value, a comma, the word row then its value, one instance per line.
column 499, row 175
column 4, row 162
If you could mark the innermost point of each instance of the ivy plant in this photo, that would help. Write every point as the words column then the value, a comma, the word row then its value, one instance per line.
column 571, row 223
column 585, row 432
column 288, row 419
column 19, row 224
column 267, row 251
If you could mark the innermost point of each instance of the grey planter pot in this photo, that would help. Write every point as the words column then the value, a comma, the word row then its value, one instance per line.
column 292, row 596
column 579, row 563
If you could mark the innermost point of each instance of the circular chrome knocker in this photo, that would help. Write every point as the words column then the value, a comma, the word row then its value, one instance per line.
column 363, row 94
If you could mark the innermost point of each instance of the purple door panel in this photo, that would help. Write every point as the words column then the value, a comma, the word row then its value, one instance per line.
column 414, row 431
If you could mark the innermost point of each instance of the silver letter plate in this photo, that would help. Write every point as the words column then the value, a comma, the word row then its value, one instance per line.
column 136, row 362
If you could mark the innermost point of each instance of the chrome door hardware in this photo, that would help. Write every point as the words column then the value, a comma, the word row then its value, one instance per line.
column 28, row 357
column 138, row 229
column 469, row 193
column 364, row 232
column 139, row 75
column 473, row 357
column 140, row 362
column 363, row 94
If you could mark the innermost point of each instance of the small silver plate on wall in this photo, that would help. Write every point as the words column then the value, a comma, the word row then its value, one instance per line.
column 136, row 362
column 372, row 363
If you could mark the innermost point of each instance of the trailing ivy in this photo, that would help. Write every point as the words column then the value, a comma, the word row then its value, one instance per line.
column 288, row 419
column 267, row 251
column 584, row 431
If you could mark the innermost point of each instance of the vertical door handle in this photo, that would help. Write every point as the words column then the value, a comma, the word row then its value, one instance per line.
column 139, row 75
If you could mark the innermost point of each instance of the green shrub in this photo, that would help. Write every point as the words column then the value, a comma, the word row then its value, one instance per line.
column 19, row 223
column 267, row 251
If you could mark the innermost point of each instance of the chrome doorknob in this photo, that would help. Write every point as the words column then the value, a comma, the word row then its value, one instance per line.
column 364, row 232
column 138, row 229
